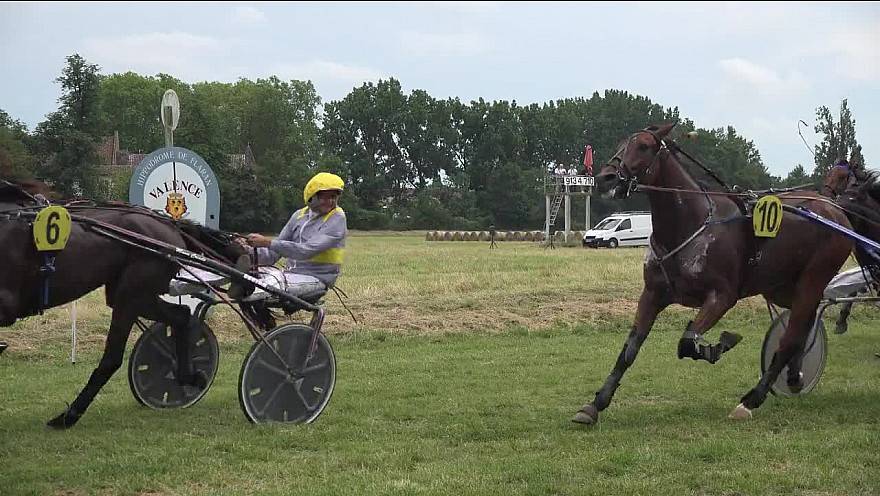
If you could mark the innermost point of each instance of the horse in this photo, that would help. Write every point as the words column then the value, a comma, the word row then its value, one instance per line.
column 132, row 277
column 703, row 254
column 844, row 176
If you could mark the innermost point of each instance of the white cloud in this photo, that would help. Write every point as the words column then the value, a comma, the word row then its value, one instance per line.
column 440, row 45
column 332, row 80
column 856, row 52
column 321, row 69
column 182, row 55
column 750, row 76
column 467, row 8
column 248, row 15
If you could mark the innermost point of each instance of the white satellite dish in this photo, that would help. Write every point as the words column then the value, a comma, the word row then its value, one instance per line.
column 170, row 109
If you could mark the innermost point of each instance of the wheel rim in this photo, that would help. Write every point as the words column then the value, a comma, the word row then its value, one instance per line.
column 270, row 391
column 814, row 357
column 152, row 372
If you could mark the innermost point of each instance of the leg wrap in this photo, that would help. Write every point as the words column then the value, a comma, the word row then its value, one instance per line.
column 691, row 345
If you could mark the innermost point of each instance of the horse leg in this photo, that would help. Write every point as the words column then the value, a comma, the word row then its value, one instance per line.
column 691, row 343
column 842, row 324
column 791, row 345
column 184, row 327
column 650, row 306
column 114, row 348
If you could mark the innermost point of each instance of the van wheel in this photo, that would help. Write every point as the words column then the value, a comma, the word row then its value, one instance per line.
column 612, row 243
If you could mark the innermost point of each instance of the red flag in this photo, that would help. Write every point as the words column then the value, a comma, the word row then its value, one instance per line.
column 588, row 160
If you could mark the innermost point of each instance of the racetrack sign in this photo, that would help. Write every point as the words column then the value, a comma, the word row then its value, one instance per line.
column 179, row 183
column 767, row 217
column 579, row 180
column 52, row 228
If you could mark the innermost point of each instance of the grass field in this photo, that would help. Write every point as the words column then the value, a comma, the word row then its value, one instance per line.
column 460, row 377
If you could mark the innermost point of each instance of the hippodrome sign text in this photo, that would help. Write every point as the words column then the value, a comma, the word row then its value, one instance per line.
column 178, row 182
column 579, row 181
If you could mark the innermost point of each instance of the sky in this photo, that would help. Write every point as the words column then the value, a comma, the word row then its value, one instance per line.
column 759, row 67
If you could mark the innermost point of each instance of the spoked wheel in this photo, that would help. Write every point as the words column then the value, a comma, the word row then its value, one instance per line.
column 814, row 356
column 292, row 390
column 152, row 368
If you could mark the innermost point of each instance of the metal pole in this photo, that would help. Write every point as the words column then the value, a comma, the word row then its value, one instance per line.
column 587, row 213
column 73, row 332
column 547, row 218
column 567, row 214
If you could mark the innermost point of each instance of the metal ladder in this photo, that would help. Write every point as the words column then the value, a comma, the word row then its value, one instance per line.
column 554, row 209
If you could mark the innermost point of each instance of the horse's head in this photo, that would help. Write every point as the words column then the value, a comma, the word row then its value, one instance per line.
column 841, row 177
column 636, row 161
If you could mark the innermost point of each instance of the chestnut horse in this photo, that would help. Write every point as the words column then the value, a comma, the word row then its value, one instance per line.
column 133, row 278
column 704, row 254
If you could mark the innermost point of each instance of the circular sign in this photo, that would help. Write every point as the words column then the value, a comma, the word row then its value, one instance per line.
column 52, row 228
column 179, row 183
column 170, row 109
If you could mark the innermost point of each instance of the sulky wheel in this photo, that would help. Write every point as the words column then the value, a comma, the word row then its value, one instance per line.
column 152, row 368
column 814, row 356
column 287, row 389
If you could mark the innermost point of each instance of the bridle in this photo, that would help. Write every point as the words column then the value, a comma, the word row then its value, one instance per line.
column 624, row 174
column 850, row 178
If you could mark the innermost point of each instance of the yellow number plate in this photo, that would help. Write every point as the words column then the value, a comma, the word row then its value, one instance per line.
column 767, row 217
column 52, row 228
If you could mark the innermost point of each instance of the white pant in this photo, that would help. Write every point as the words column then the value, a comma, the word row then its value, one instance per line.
column 294, row 284
column 846, row 283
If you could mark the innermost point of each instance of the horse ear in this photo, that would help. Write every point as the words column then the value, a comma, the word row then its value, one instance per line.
column 663, row 129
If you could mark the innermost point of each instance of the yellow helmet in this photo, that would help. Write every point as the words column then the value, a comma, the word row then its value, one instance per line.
column 322, row 181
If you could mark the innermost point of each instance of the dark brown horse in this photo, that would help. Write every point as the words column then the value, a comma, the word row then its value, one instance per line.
column 133, row 278
column 705, row 255
column 842, row 177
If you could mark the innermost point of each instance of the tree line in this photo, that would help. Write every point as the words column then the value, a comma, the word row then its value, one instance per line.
column 410, row 161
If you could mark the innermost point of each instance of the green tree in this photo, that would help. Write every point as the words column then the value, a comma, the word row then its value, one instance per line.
column 838, row 141
column 15, row 159
column 66, row 140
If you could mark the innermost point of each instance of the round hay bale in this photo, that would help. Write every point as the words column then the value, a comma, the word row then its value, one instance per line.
column 447, row 236
column 429, row 236
column 470, row 236
column 559, row 236
column 456, row 236
column 484, row 236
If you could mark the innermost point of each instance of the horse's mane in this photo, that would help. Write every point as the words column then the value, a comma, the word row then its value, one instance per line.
column 198, row 238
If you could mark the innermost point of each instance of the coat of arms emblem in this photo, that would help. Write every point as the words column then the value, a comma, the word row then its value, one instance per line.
column 175, row 205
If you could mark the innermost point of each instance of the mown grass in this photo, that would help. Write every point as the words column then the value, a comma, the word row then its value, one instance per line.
column 461, row 378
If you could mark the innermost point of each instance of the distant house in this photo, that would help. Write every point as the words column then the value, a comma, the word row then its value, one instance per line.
column 111, row 157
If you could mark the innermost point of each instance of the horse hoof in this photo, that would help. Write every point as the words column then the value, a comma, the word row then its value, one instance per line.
column 61, row 422
column 740, row 413
column 588, row 415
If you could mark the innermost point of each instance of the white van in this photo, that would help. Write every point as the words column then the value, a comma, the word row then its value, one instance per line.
column 621, row 229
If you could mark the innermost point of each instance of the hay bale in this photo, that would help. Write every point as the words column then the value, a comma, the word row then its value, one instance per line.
column 429, row 236
column 447, row 236
column 484, row 236
column 456, row 236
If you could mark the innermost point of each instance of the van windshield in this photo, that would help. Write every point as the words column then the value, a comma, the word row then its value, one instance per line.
column 606, row 224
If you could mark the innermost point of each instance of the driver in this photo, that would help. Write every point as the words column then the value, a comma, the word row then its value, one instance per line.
column 312, row 241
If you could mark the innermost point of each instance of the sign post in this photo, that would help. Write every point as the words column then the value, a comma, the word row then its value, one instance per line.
column 176, row 181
